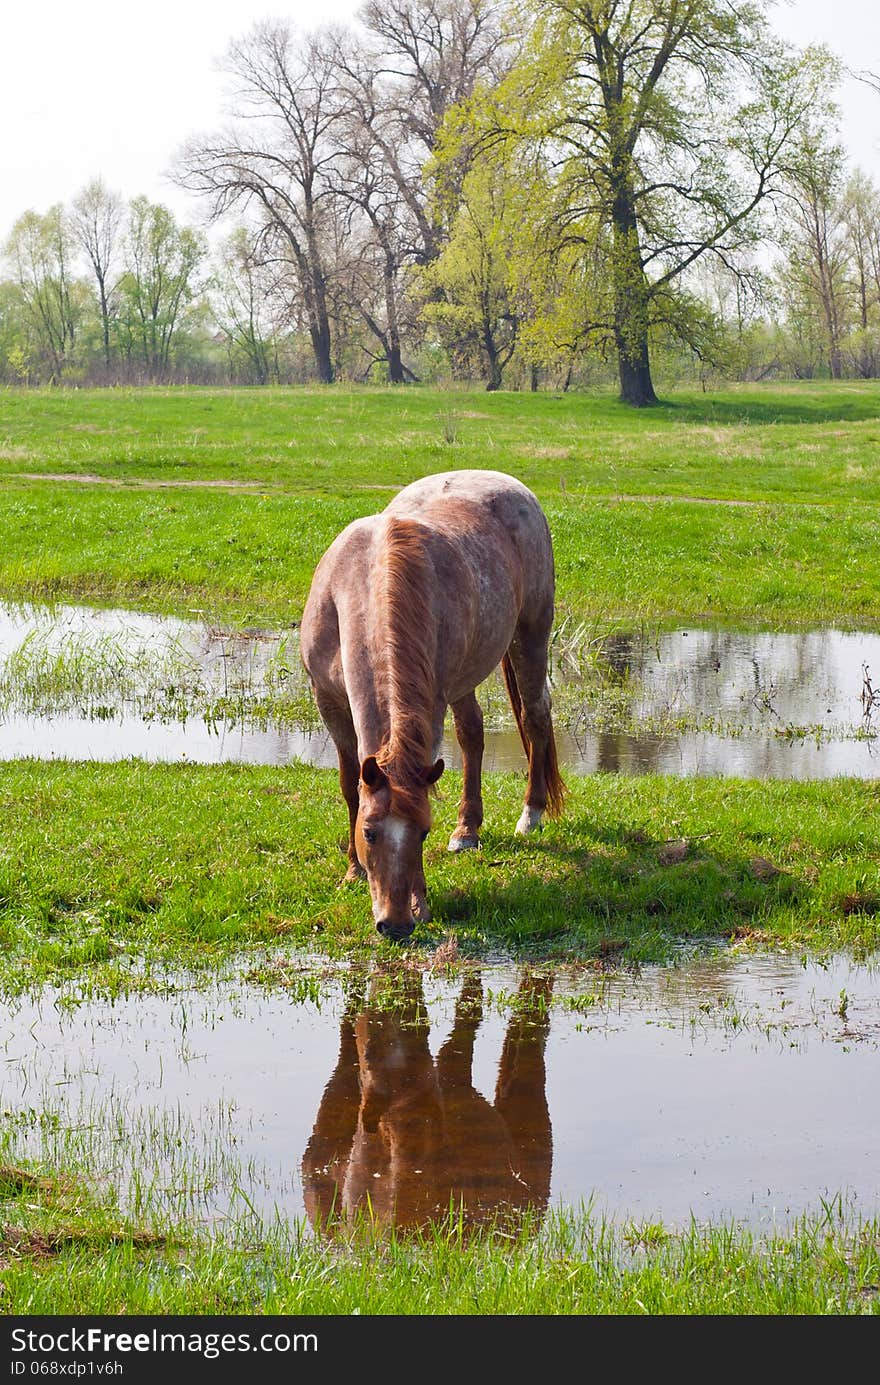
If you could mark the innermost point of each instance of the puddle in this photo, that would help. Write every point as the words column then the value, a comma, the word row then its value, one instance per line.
column 86, row 684
column 741, row 1089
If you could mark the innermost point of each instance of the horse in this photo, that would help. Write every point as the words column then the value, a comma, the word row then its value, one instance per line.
column 409, row 610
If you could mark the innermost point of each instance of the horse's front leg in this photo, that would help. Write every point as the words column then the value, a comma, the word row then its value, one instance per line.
column 338, row 721
column 468, row 718
column 349, row 773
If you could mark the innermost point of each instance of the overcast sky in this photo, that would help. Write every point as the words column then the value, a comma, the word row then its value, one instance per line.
column 106, row 87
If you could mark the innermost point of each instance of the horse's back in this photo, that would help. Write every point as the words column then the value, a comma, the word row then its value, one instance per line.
column 487, row 544
column 471, row 497
column 489, row 513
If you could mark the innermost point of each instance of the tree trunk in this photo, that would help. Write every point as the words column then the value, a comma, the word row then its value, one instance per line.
column 320, row 338
column 636, row 386
column 105, row 319
column 494, row 380
column 493, row 360
column 396, row 373
column 631, row 300
column 315, row 299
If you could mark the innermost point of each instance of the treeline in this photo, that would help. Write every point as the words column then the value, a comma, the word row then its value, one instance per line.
column 458, row 189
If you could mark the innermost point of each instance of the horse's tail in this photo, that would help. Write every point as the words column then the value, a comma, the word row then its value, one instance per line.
column 552, row 778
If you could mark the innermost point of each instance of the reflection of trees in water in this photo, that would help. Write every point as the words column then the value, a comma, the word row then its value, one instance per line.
column 618, row 753
column 406, row 1138
column 621, row 652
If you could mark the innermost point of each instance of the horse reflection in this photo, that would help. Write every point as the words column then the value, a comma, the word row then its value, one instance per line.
column 407, row 1139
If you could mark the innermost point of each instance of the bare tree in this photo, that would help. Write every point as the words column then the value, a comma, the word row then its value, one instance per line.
column 275, row 160
column 97, row 222
column 379, row 227
column 420, row 58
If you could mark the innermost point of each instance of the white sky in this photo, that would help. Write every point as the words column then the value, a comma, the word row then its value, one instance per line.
column 107, row 87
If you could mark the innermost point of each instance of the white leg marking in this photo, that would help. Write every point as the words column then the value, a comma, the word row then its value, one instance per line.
column 463, row 844
column 530, row 818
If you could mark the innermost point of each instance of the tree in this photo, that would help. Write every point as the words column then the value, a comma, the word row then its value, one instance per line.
column 96, row 221
column 420, row 60
column 468, row 290
column 158, row 284
column 41, row 250
column 378, row 232
column 275, row 160
column 245, row 305
column 666, row 121
column 861, row 215
column 817, row 238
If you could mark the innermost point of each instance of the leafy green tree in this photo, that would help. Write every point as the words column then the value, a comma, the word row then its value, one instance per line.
column 667, row 123
column 467, row 289
column 861, row 215
column 41, row 252
column 15, row 348
column 815, row 240
column 158, row 283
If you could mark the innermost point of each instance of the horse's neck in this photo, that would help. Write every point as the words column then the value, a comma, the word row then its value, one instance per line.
column 405, row 650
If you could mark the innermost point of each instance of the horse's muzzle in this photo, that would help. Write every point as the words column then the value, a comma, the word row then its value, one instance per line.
column 396, row 932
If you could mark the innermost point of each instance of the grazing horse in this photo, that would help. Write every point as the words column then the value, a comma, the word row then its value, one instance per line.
column 408, row 612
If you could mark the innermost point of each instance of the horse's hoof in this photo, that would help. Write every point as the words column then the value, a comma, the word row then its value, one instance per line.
column 467, row 842
column 530, row 820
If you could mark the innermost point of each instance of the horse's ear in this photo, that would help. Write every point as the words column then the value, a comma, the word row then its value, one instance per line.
column 433, row 774
column 372, row 775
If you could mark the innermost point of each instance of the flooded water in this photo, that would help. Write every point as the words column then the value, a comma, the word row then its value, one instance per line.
column 725, row 1089
column 85, row 684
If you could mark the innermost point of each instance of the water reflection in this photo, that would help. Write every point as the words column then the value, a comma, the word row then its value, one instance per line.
column 407, row 1139
column 731, row 1087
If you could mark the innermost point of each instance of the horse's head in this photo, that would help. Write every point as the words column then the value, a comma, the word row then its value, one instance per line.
column 392, row 824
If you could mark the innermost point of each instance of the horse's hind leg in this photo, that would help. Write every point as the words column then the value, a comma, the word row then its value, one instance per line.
column 468, row 718
column 525, row 672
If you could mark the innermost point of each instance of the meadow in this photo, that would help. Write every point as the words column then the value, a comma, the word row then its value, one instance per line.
column 752, row 507
column 748, row 507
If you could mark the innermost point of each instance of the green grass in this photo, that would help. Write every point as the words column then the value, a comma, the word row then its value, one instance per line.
column 639, row 502
column 67, row 1252
column 111, row 874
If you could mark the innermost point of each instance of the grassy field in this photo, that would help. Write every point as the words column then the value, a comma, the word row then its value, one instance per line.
column 758, row 507
column 111, row 874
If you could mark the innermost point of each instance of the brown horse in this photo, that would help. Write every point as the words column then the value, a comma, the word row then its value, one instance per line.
column 408, row 612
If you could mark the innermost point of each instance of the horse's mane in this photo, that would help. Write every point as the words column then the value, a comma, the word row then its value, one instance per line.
column 409, row 636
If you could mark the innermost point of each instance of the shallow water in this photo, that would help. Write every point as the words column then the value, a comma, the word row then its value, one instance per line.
column 740, row 1089
column 691, row 701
